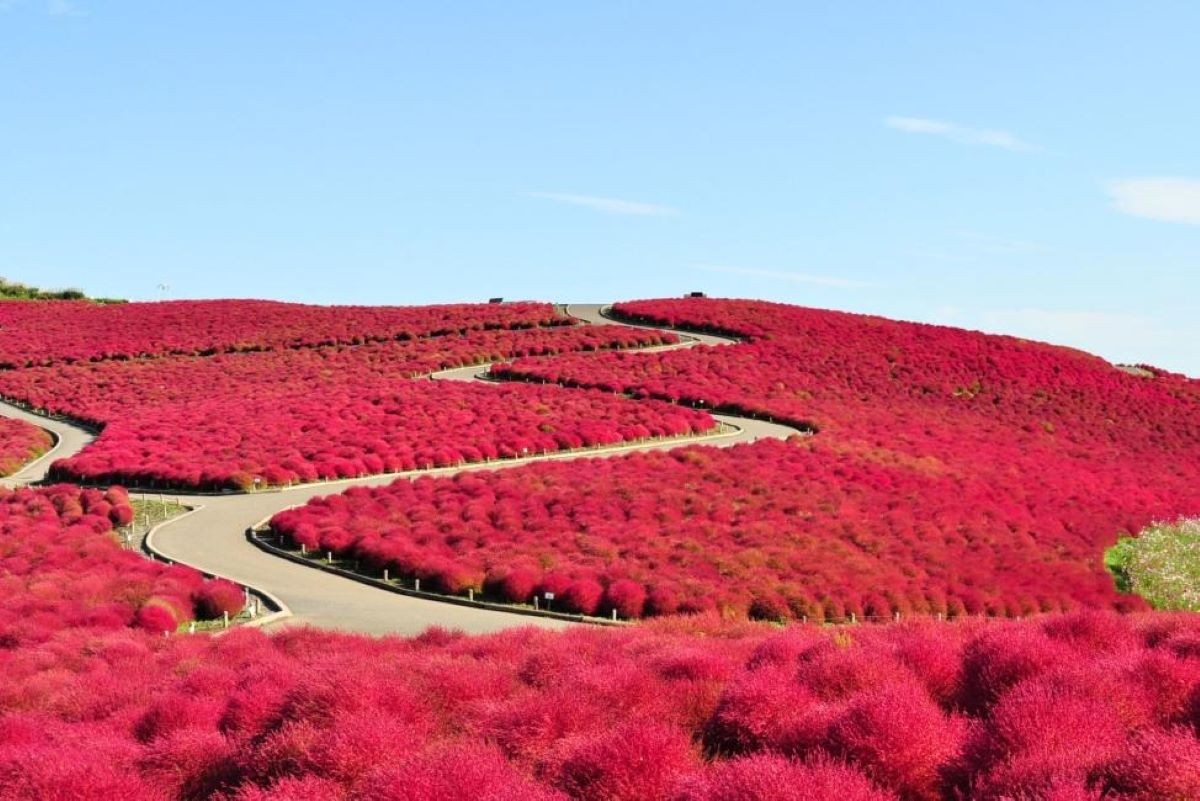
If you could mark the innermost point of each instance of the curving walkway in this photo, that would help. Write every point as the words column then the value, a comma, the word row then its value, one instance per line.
column 69, row 439
column 213, row 538
column 594, row 313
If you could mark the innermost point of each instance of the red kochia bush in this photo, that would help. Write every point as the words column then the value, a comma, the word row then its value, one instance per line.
column 591, row 713
column 627, row 598
column 247, row 420
column 218, row 597
column 159, row 617
column 739, row 529
column 455, row 773
column 43, row 332
column 1158, row 765
column 122, row 515
column 61, row 565
column 999, row 659
column 767, row 709
column 762, row 777
column 938, row 450
column 583, row 596
column 900, row 737
column 190, row 763
column 629, row 763
column 515, row 584
column 1034, row 738
column 20, row 442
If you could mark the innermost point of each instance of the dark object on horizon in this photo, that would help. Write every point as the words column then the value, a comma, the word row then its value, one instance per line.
column 696, row 295
column 495, row 300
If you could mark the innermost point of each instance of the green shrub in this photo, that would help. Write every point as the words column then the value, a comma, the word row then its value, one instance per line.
column 12, row 290
column 1162, row 565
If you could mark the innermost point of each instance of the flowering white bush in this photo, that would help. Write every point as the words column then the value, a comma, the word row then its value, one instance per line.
column 1163, row 565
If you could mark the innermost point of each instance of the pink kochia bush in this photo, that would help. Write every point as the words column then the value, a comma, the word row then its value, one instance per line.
column 799, row 529
column 290, row 416
column 691, row 709
column 305, row 435
column 950, row 472
column 35, row 333
column 217, row 598
column 20, row 442
column 61, row 566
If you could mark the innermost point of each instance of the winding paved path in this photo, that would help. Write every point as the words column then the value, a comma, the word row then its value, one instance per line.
column 69, row 439
column 213, row 538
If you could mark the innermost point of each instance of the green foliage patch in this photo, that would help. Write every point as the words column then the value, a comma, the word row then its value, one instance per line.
column 13, row 290
column 1162, row 565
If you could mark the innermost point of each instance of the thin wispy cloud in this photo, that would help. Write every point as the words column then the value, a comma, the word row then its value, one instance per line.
column 997, row 244
column 609, row 205
column 927, row 254
column 64, row 8
column 960, row 133
column 55, row 8
column 784, row 275
column 1167, row 199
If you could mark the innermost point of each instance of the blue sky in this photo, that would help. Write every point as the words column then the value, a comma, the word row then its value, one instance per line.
column 1031, row 168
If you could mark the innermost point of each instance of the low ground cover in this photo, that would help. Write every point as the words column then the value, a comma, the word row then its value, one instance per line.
column 53, row 332
column 293, row 435
column 62, row 565
column 1080, row 706
column 1003, row 466
column 288, row 416
column 776, row 530
column 95, row 703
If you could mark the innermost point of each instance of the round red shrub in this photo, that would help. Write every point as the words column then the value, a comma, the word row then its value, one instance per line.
column 768, row 605
column 555, row 582
column 71, row 772
column 175, row 711
column 1092, row 632
column 218, row 597
column 157, row 618
column 583, row 596
column 835, row 672
column 632, row 762
column 191, row 763
column 1158, row 765
column 1044, row 730
column 766, row 709
column 356, row 742
column 121, row 514
column 517, row 584
column 454, row 772
column 899, row 737
column 997, row 658
column 936, row 661
column 292, row 788
column 662, row 599
column 768, row 776
column 626, row 597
